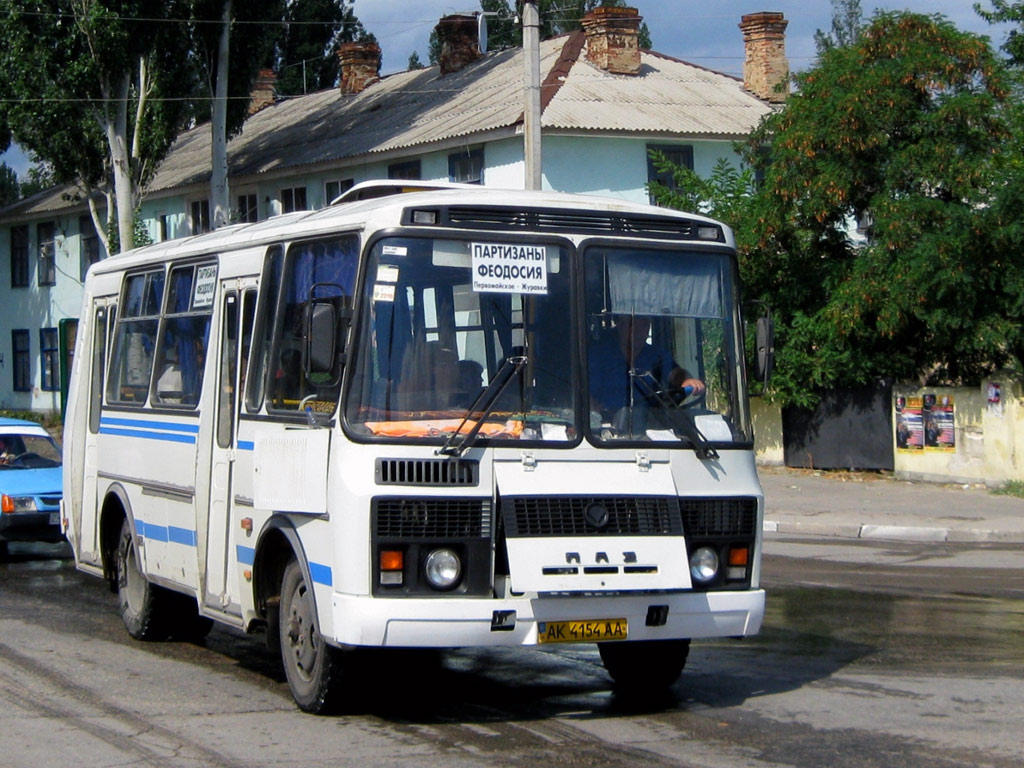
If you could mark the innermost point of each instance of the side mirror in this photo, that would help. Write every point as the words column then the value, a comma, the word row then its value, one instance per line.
column 321, row 336
column 765, row 348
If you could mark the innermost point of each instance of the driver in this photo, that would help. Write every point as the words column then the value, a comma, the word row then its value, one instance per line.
column 614, row 354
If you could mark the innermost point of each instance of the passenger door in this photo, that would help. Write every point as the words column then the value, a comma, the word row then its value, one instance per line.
column 238, row 301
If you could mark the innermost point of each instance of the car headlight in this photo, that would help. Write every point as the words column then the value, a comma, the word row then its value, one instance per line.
column 704, row 565
column 17, row 503
column 443, row 568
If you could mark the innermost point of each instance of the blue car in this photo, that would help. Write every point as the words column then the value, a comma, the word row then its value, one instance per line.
column 30, row 484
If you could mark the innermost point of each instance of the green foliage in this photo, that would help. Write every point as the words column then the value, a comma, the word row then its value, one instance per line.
column 414, row 61
column 10, row 190
column 724, row 195
column 307, row 53
column 1012, row 12
column 846, row 25
column 1011, row 488
column 39, row 177
column 911, row 131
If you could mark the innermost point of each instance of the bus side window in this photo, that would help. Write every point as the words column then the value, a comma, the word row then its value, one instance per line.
column 135, row 334
column 263, row 332
column 185, row 333
column 227, row 371
column 99, row 360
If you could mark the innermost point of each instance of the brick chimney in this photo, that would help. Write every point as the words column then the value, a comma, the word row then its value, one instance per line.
column 765, row 70
column 262, row 94
column 460, row 43
column 612, row 39
column 360, row 66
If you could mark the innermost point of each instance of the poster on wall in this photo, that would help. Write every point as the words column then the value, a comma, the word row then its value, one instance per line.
column 939, row 432
column 909, row 424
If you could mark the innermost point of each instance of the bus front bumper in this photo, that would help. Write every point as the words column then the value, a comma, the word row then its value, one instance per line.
column 464, row 622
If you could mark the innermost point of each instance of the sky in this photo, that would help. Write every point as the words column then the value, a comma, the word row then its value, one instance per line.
column 697, row 31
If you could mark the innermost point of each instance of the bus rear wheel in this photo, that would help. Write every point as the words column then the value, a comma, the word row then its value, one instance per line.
column 644, row 666
column 310, row 664
column 143, row 605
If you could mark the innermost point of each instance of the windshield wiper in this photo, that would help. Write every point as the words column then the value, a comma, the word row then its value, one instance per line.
column 679, row 416
column 483, row 405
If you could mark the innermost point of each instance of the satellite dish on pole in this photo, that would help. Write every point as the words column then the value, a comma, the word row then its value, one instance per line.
column 481, row 32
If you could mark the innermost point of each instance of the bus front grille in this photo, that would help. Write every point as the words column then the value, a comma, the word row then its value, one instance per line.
column 592, row 516
column 438, row 472
column 431, row 518
column 719, row 516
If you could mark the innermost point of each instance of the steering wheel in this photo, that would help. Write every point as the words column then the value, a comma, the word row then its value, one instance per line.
column 680, row 397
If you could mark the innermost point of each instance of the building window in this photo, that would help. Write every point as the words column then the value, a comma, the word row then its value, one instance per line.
column 22, row 369
column 248, row 211
column 467, row 167
column 163, row 227
column 678, row 154
column 332, row 189
column 48, row 360
column 47, row 264
column 19, row 257
column 200, row 210
column 410, row 169
column 293, row 199
column 89, row 244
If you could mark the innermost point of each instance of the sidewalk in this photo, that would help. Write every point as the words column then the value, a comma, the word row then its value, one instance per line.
column 864, row 505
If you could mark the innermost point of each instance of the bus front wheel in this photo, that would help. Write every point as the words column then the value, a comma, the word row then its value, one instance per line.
column 311, row 665
column 142, row 604
column 644, row 665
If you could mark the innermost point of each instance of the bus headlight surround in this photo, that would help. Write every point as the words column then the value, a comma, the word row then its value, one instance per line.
column 443, row 568
column 704, row 565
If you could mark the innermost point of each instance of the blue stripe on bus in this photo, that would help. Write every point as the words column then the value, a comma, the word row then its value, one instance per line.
column 246, row 445
column 165, row 533
column 170, row 426
column 321, row 574
column 165, row 436
column 246, row 555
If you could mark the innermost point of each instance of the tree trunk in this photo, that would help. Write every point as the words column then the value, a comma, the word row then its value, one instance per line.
column 117, row 139
column 219, row 195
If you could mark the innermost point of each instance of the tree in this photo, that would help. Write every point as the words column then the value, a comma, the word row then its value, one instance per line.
column 96, row 88
column 1006, row 11
column 307, row 47
column 846, row 24
column 902, row 131
column 414, row 61
column 10, row 191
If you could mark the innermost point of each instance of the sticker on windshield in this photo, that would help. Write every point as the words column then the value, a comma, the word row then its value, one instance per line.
column 509, row 268
column 387, row 273
column 394, row 250
column 383, row 292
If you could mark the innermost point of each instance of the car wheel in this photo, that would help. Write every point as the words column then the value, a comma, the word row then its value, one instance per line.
column 311, row 665
column 144, row 606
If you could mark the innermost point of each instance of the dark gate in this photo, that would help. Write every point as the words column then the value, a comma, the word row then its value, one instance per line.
column 850, row 429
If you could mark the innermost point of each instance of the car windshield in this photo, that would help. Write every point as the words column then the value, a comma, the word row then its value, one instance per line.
column 28, row 451
column 664, row 352
column 440, row 320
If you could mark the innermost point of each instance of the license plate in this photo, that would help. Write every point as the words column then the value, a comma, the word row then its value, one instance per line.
column 589, row 631
column 55, row 518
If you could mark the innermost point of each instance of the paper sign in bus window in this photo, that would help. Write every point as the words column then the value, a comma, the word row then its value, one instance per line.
column 206, row 285
column 509, row 268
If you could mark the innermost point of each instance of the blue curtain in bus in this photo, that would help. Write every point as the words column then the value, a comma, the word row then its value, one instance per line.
column 189, row 335
column 324, row 262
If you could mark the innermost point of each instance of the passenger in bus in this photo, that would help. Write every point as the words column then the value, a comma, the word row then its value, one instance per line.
column 624, row 347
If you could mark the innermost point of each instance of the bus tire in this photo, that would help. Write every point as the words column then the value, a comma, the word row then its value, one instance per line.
column 311, row 665
column 142, row 604
column 644, row 666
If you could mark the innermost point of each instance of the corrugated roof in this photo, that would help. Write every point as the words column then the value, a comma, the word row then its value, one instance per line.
column 421, row 107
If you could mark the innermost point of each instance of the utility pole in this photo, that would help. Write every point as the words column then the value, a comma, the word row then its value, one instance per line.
column 531, row 109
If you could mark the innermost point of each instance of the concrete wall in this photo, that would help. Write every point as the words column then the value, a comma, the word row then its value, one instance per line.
column 987, row 432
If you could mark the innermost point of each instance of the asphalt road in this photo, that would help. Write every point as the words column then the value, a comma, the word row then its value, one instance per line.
column 882, row 654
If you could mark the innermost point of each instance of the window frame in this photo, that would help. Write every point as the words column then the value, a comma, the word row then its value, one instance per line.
column 199, row 216
column 49, row 360
column 21, row 360
column 466, row 166
column 685, row 153
column 46, row 248
column 287, row 197
column 409, row 170
column 19, row 256
column 89, row 250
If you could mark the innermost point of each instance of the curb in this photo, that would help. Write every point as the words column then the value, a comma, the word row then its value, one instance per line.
column 869, row 531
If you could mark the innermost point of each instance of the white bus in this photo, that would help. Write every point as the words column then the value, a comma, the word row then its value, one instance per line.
column 443, row 418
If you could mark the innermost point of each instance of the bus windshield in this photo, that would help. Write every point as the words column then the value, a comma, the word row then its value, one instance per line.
column 441, row 318
column 664, row 354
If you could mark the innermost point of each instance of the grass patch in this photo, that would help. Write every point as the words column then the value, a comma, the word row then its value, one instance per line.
column 1012, row 488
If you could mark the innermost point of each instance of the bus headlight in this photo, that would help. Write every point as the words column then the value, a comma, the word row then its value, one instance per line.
column 443, row 568
column 704, row 565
